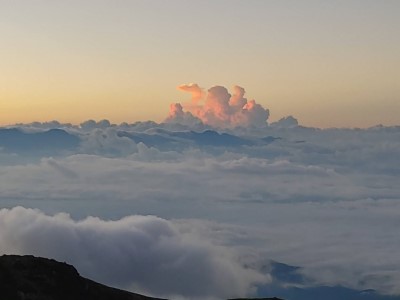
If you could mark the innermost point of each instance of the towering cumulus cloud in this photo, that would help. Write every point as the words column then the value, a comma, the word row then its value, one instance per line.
column 218, row 108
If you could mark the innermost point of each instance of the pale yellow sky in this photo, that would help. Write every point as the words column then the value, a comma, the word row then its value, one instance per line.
column 333, row 63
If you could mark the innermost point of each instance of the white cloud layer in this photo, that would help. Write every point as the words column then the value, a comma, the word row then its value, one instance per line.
column 325, row 200
column 141, row 253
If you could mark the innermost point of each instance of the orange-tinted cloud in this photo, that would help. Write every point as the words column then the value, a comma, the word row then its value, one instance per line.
column 218, row 108
column 194, row 89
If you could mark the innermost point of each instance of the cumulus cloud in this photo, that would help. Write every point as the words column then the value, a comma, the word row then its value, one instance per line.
column 219, row 108
column 107, row 142
column 92, row 124
column 142, row 253
column 177, row 115
column 193, row 88
column 286, row 122
column 44, row 125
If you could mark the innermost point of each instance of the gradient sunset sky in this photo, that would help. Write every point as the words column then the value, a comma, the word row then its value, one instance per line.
column 328, row 63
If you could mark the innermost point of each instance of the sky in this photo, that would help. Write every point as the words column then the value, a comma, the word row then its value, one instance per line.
column 328, row 63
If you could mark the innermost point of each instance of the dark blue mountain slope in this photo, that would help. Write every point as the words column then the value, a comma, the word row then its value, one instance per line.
column 53, row 140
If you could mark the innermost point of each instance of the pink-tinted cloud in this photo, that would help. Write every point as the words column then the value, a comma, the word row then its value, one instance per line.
column 194, row 89
column 219, row 108
column 177, row 115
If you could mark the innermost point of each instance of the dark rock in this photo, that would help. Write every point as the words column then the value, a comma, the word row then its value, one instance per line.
column 34, row 278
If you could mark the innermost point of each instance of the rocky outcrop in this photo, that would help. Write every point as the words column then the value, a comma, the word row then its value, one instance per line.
column 34, row 278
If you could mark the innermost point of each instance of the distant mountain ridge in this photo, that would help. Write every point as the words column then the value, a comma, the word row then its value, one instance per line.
column 16, row 140
column 164, row 138
column 53, row 141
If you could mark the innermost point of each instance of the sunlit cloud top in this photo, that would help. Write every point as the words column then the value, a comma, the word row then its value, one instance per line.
column 219, row 108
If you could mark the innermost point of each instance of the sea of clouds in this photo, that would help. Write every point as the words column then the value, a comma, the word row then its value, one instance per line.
column 199, row 206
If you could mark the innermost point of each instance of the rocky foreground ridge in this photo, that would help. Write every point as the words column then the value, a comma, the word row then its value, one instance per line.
column 35, row 278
